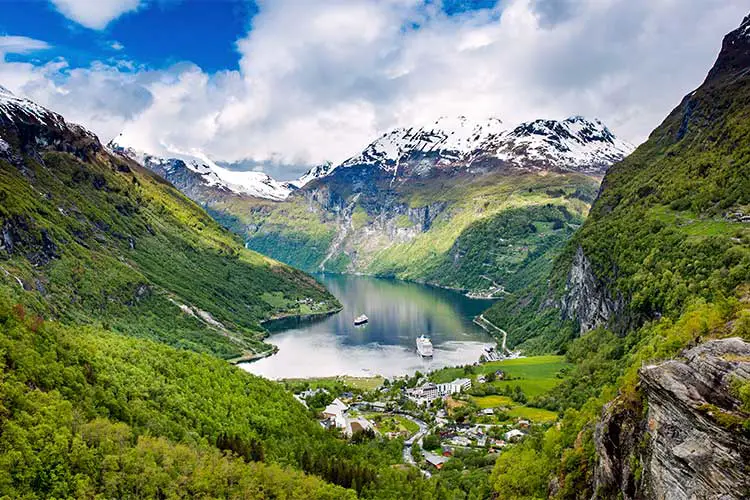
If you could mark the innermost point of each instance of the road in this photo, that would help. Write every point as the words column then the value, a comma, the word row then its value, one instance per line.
column 416, row 438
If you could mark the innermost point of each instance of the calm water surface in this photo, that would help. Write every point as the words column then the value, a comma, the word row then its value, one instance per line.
column 399, row 312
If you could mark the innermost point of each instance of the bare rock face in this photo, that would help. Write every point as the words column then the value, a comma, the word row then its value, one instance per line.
column 690, row 443
column 588, row 300
column 693, row 454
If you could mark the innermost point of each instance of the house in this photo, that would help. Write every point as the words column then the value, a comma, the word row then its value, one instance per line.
column 436, row 461
column 424, row 393
column 334, row 414
column 447, row 450
column 458, row 385
column 463, row 383
column 481, row 379
column 378, row 406
column 336, row 407
column 499, row 375
column 487, row 411
column 524, row 424
column 311, row 392
column 461, row 441
column 514, row 435
column 357, row 425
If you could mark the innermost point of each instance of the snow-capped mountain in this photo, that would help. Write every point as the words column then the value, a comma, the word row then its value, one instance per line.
column 200, row 178
column 447, row 139
column 37, row 126
column 316, row 172
column 16, row 110
column 574, row 144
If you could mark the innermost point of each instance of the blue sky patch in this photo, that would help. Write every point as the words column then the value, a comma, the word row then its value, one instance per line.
column 158, row 35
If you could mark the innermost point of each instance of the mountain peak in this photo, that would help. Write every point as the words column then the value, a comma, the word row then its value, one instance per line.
column 200, row 177
column 4, row 92
column 575, row 143
column 734, row 57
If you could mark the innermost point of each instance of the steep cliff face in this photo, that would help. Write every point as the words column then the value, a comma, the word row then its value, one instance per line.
column 690, row 441
column 668, row 224
column 588, row 298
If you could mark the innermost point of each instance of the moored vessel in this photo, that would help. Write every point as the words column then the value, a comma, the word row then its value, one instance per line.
column 361, row 320
column 424, row 346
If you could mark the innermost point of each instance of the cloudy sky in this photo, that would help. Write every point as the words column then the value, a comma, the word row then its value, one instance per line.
column 283, row 84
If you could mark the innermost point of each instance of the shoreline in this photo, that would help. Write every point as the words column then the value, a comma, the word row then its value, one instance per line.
column 463, row 291
column 256, row 356
column 300, row 317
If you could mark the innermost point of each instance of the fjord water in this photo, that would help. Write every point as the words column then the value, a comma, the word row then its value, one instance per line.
column 399, row 312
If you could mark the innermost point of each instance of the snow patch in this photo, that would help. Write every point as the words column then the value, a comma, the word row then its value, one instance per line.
column 247, row 182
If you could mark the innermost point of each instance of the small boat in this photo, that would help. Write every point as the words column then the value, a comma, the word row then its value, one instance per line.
column 361, row 320
column 424, row 346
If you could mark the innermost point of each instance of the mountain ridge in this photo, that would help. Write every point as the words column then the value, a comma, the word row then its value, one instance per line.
column 574, row 144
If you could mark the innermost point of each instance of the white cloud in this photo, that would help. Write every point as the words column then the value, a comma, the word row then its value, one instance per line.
column 95, row 14
column 319, row 80
column 115, row 45
column 20, row 45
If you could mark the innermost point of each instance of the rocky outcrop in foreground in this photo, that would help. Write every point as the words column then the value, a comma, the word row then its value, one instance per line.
column 689, row 441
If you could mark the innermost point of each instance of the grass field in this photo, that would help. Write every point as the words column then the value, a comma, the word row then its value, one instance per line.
column 392, row 423
column 361, row 383
column 533, row 414
column 493, row 401
column 535, row 376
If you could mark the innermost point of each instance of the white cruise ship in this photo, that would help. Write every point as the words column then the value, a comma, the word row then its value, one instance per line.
column 424, row 346
column 361, row 320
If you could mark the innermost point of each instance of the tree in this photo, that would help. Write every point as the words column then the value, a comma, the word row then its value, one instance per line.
column 431, row 442
column 416, row 452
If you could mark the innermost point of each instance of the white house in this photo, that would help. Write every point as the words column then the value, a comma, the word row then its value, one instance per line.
column 514, row 435
column 356, row 425
column 334, row 413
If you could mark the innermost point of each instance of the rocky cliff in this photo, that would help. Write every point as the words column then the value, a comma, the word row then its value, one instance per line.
column 688, row 438
column 588, row 298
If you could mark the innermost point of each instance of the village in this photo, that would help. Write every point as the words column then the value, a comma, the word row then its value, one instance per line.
column 477, row 409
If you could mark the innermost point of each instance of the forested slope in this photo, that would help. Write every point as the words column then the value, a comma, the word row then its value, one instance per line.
column 90, row 237
column 662, row 264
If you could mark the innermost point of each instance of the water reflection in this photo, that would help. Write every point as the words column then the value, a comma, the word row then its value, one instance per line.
column 399, row 312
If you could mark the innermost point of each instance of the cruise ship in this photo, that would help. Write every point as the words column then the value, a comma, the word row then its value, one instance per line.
column 424, row 346
column 361, row 320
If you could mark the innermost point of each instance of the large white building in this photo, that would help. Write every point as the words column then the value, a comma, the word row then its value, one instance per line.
column 458, row 385
column 430, row 391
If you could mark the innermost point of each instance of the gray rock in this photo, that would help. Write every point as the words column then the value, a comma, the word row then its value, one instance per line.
column 685, row 444
column 588, row 299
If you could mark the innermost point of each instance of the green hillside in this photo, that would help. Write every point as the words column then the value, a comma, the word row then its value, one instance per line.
column 104, row 241
column 81, row 418
column 481, row 234
column 669, row 239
